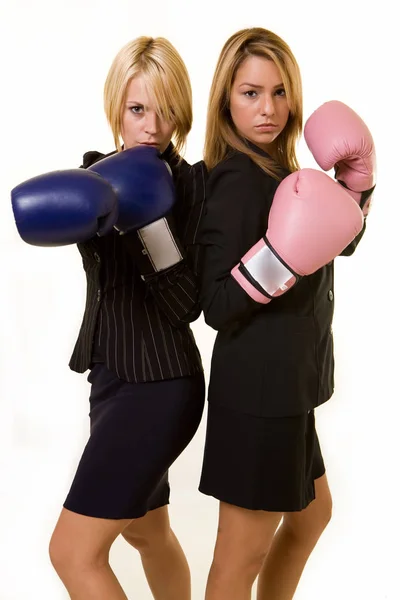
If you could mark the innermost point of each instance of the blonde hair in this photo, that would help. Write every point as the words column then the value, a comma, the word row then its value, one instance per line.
column 221, row 135
column 166, row 78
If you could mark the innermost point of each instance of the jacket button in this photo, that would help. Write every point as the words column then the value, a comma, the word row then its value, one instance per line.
column 96, row 257
column 330, row 295
column 98, row 295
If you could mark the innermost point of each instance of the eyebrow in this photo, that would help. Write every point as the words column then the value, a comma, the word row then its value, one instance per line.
column 134, row 102
column 253, row 85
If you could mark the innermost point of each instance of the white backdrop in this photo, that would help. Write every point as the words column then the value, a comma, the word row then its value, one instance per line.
column 55, row 55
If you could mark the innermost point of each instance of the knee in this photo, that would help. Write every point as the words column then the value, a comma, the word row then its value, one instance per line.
column 246, row 561
column 323, row 515
column 58, row 554
column 326, row 514
column 69, row 558
column 303, row 528
column 148, row 542
column 321, row 507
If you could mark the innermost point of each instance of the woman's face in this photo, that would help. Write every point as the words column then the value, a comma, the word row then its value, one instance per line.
column 140, row 123
column 258, row 104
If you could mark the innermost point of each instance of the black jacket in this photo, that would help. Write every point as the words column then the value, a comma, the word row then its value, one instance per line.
column 268, row 360
column 141, row 329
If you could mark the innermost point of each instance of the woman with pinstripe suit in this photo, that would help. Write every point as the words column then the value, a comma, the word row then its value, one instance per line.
column 146, row 375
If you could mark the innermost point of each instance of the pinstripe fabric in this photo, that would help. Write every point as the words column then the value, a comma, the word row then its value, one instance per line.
column 141, row 329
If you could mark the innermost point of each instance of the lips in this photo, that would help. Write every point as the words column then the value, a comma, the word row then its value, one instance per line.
column 266, row 126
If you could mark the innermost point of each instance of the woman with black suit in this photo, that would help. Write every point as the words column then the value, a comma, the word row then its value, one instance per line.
column 146, row 375
column 272, row 362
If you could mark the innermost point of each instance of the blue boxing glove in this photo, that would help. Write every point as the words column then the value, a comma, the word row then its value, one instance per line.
column 131, row 190
column 71, row 206
column 143, row 184
column 63, row 207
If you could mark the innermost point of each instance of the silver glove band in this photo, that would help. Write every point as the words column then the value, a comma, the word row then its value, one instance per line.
column 159, row 245
column 269, row 272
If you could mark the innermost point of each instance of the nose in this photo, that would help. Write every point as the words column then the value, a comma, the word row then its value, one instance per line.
column 268, row 106
column 151, row 125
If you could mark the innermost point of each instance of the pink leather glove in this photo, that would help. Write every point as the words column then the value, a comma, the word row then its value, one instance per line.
column 312, row 219
column 337, row 137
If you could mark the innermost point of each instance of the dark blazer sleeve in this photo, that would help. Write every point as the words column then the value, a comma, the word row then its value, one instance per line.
column 176, row 290
column 235, row 219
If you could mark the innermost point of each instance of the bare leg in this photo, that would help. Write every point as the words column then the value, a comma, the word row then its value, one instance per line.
column 163, row 560
column 243, row 540
column 292, row 546
column 79, row 550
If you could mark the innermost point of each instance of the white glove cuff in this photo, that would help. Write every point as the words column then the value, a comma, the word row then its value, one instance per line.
column 270, row 273
column 160, row 245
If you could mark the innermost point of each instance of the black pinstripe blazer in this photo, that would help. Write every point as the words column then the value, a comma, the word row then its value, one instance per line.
column 141, row 329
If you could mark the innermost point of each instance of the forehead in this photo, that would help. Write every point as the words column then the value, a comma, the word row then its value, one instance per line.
column 258, row 70
column 138, row 90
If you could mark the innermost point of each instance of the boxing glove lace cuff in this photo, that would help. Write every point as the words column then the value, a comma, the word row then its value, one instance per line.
column 159, row 244
column 262, row 274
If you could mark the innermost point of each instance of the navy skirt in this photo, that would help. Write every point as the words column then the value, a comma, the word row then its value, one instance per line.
column 137, row 430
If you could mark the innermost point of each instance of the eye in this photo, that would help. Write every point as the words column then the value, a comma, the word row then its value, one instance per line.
column 280, row 92
column 250, row 93
column 136, row 109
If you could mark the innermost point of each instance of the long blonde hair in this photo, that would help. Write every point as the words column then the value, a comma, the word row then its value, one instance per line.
column 166, row 78
column 221, row 135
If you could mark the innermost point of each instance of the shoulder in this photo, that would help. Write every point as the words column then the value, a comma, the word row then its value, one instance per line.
column 179, row 167
column 92, row 156
column 176, row 162
column 234, row 162
column 238, row 171
column 237, row 176
column 183, row 172
column 190, row 180
column 191, row 195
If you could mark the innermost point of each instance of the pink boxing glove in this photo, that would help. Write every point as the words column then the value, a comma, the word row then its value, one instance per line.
column 338, row 137
column 312, row 219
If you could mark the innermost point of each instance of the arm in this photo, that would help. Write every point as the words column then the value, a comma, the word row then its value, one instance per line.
column 175, row 286
column 235, row 218
column 159, row 233
column 311, row 220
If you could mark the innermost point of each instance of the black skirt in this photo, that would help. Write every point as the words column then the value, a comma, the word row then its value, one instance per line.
column 261, row 463
column 137, row 430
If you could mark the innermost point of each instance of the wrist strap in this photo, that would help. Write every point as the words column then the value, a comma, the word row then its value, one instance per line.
column 160, row 245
